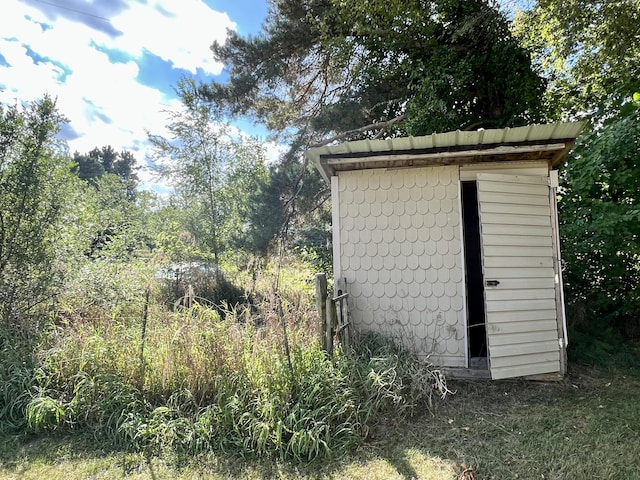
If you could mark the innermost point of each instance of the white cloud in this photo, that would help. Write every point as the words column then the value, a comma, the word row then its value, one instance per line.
column 104, row 101
column 180, row 35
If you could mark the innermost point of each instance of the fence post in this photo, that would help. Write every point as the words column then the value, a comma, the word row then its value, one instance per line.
column 343, row 314
column 321, row 306
column 330, row 321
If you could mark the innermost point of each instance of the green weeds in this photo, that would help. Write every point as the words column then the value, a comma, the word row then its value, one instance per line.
column 209, row 380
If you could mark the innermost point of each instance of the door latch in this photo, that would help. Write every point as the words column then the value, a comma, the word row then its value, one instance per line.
column 492, row 283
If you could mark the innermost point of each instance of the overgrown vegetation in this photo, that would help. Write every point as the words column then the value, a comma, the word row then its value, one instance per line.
column 588, row 51
column 33, row 189
column 195, row 380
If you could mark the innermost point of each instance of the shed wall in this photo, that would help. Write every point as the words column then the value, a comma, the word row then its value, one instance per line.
column 400, row 251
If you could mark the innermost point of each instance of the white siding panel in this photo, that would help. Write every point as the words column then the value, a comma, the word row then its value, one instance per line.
column 336, row 205
column 523, row 360
column 520, row 349
column 516, row 240
column 526, row 369
column 515, row 188
column 524, row 262
column 506, row 179
column 512, row 326
column 529, row 317
column 527, row 284
column 520, row 251
column 520, row 305
column 515, row 209
column 515, row 218
column 514, row 339
column 534, row 230
column 516, row 272
column 470, row 172
column 502, row 293
column 502, row 198
column 401, row 256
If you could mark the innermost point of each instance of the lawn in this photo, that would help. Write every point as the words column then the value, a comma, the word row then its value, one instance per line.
column 585, row 427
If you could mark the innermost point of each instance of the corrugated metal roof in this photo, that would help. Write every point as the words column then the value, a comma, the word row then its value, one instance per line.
column 446, row 148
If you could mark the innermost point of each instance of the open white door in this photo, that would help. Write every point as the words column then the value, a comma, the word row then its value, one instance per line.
column 518, row 256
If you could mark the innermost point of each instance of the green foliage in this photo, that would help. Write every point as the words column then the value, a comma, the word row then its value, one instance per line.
column 17, row 377
column 596, row 343
column 97, row 162
column 212, row 170
column 34, row 183
column 290, row 204
column 589, row 51
column 324, row 70
column 44, row 413
column 339, row 66
column 105, row 288
column 600, row 226
column 184, row 284
column 588, row 48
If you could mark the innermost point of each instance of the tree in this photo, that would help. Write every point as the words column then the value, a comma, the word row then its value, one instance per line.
column 112, row 218
column 590, row 50
column 327, row 70
column 97, row 162
column 367, row 68
column 600, row 221
column 34, row 183
column 212, row 170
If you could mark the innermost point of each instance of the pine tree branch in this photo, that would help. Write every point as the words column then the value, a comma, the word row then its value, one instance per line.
column 366, row 128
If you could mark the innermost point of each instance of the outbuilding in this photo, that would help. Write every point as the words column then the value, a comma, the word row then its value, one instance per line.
column 448, row 244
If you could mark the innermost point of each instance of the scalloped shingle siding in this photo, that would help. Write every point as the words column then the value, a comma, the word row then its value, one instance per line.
column 401, row 255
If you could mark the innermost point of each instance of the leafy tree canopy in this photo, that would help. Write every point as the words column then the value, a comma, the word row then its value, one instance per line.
column 97, row 162
column 590, row 49
column 213, row 170
column 325, row 70
column 35, row 181
column 379, row 67
column 600, row 217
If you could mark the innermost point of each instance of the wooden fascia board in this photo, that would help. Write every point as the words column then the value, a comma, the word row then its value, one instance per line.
column 560, row 155
column 329, row 161
column 325, row 171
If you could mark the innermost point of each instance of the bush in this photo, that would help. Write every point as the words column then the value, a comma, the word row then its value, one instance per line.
column 182, row 285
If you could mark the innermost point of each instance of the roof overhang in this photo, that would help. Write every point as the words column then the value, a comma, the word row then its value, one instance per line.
column 550, row 143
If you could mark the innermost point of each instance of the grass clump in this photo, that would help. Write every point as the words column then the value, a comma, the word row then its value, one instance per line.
column 205, row 379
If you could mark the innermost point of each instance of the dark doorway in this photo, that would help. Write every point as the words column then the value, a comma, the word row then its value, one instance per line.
column 477, row 333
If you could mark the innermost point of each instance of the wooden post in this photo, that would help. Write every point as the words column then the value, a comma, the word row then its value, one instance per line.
column 343, row 313
column 329, row 323
column 143, row 334
column 321, row 306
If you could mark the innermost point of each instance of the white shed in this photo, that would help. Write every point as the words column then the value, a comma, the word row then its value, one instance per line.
column 448, row 243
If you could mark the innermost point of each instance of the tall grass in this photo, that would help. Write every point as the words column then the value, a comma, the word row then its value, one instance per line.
column 214, row 379
column 17, row 374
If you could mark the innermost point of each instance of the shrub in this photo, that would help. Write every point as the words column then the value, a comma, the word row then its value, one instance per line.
column 182, row 285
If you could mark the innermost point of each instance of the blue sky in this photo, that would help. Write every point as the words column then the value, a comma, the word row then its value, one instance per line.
column 113, row 64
